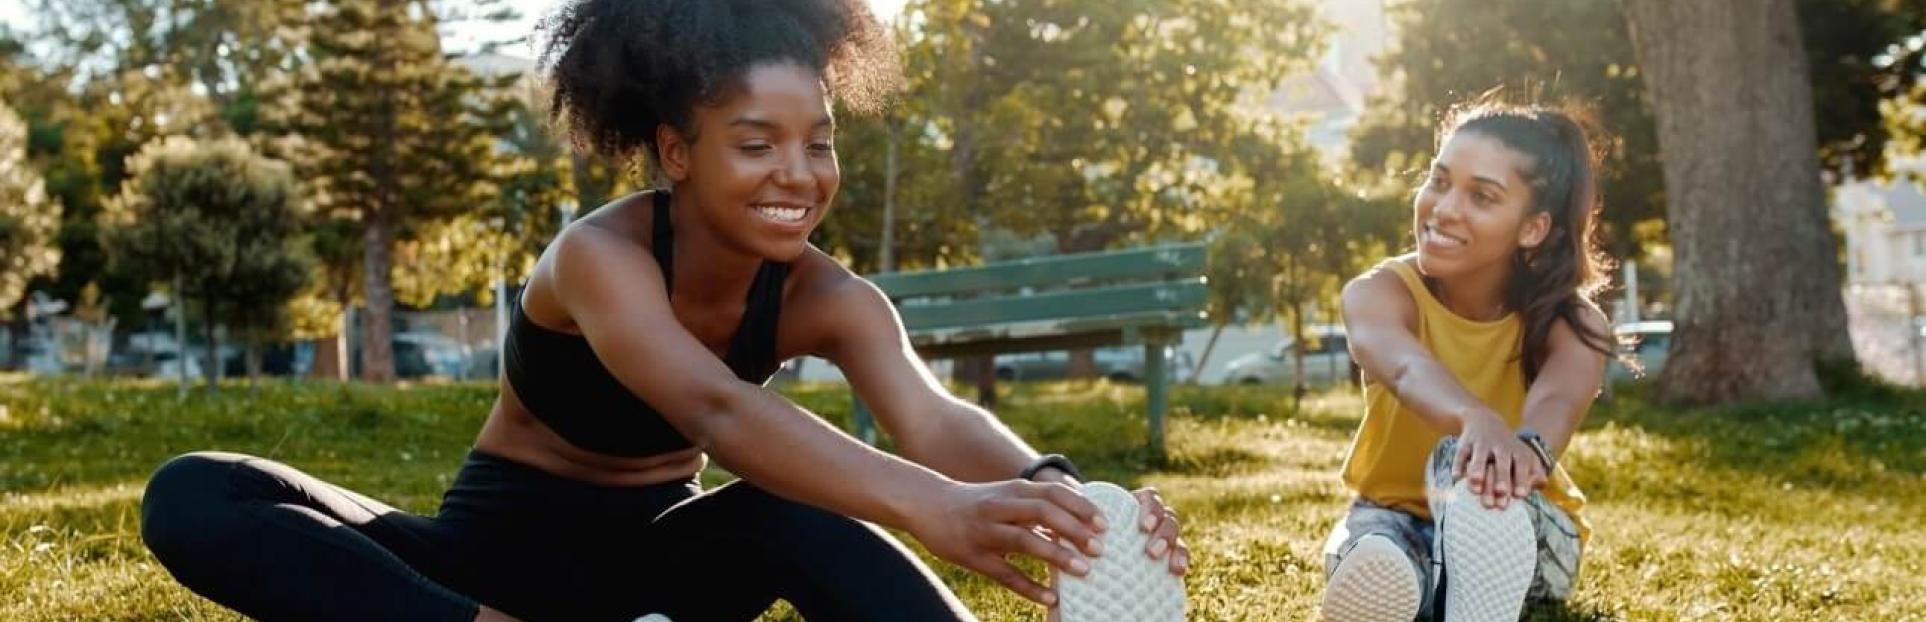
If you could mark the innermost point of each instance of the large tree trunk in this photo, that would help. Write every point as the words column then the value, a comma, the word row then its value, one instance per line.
column 377, row 339
column 378, row 232
column 1757, row 275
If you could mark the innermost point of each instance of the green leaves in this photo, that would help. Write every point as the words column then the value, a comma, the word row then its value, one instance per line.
column 217, row 216
column 28, row 217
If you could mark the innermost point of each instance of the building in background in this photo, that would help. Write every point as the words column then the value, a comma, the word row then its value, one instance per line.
column 1885, row 228
column 1332, row 94
column 1885, row 259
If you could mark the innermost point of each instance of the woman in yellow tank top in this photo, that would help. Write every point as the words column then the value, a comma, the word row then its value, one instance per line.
column 1481, row 353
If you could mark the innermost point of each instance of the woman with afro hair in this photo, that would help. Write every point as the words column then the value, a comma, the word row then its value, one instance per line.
column 638, row 349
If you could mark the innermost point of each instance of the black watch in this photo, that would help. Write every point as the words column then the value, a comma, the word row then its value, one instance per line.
column 1051, row 460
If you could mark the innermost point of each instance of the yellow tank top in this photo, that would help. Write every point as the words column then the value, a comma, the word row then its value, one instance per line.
column 1387, row 459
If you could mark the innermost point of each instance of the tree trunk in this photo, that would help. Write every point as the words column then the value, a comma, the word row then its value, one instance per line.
column 886, row 254
column 1298, row 387
column 253, row 366
column 212, row 371
column 1757, row 275
column 377, row 255
column 378, row 232
column 331, row 357
column 1197, row 371
column 180, row 335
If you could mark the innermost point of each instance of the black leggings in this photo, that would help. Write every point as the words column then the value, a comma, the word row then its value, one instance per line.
column 277, row 544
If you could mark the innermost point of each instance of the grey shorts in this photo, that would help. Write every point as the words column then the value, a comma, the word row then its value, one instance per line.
column 1558, row 544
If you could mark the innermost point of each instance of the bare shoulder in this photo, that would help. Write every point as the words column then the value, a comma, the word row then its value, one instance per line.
column 1591, row 320
column 830, row 302
column 618, row 231
column 582, row 256
column 1378, row 292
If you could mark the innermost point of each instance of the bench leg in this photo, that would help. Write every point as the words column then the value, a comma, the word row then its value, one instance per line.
column 1156, row 388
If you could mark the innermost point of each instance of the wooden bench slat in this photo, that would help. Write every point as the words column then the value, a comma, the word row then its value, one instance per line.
column 1182, row 260
column 1060, row 305
column 1015, row 331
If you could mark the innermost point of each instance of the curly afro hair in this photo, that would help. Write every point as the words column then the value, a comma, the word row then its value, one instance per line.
column 620, row 68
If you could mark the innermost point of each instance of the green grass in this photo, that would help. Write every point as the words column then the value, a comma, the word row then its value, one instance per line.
column 1786, row 512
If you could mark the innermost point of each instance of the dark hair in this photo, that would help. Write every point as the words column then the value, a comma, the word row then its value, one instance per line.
column 1558, row 279
column 620, row 68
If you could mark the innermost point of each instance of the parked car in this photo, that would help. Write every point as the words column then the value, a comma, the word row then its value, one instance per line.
column 1119, row 364
column 1646, row 342
column 422, row 354
column 153, row 354
column 1327, row 361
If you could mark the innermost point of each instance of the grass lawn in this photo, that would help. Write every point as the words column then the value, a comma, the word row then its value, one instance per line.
column 1787, row 512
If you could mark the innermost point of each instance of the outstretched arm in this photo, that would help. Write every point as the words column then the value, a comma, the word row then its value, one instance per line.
column 1562, row 394
column 1380, row 319
column 865, row 338
column 1380, row 322
column 936, row 429
column 613, row 291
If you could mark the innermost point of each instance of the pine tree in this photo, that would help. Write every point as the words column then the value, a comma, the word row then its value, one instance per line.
column 394, row 137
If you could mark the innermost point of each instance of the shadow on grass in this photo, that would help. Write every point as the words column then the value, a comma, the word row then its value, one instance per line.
column 1217, row 461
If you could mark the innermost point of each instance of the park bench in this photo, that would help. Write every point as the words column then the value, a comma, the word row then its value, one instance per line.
column 1146, row 296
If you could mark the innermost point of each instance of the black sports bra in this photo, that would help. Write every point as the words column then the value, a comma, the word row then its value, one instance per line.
column 560, row 380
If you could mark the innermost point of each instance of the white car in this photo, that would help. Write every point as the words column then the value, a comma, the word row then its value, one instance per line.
column 1327, row 361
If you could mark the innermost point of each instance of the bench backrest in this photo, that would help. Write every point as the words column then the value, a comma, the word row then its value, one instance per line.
column 1154, row 282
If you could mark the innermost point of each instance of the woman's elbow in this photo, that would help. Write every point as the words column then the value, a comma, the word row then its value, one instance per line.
column 712, row 416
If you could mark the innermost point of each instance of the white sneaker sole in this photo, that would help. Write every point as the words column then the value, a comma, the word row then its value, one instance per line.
column 1124, row 584
column 1375, row 582
column 1489, row 557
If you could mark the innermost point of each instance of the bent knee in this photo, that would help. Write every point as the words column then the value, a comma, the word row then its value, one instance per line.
column 183, row 499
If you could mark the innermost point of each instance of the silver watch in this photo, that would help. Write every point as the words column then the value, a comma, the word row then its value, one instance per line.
column 1537, row 445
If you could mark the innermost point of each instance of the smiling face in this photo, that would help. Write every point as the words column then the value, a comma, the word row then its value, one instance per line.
column 762, row 163
column 1474, row 212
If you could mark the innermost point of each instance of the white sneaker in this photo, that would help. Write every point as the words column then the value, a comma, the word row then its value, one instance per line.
column 1488, row 555
column 1124, row 584
column 1375, row 582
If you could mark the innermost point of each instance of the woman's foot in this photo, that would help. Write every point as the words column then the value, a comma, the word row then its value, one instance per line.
column 1488, row 555
column 1124, row 583
column 1375, row 582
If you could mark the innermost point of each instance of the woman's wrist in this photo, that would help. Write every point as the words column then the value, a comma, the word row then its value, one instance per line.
column 1473, row 416
column 907, row 510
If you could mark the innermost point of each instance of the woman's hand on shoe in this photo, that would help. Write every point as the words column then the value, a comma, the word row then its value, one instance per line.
column 1166, row 540
column 1495, row 465
column 978, row 526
